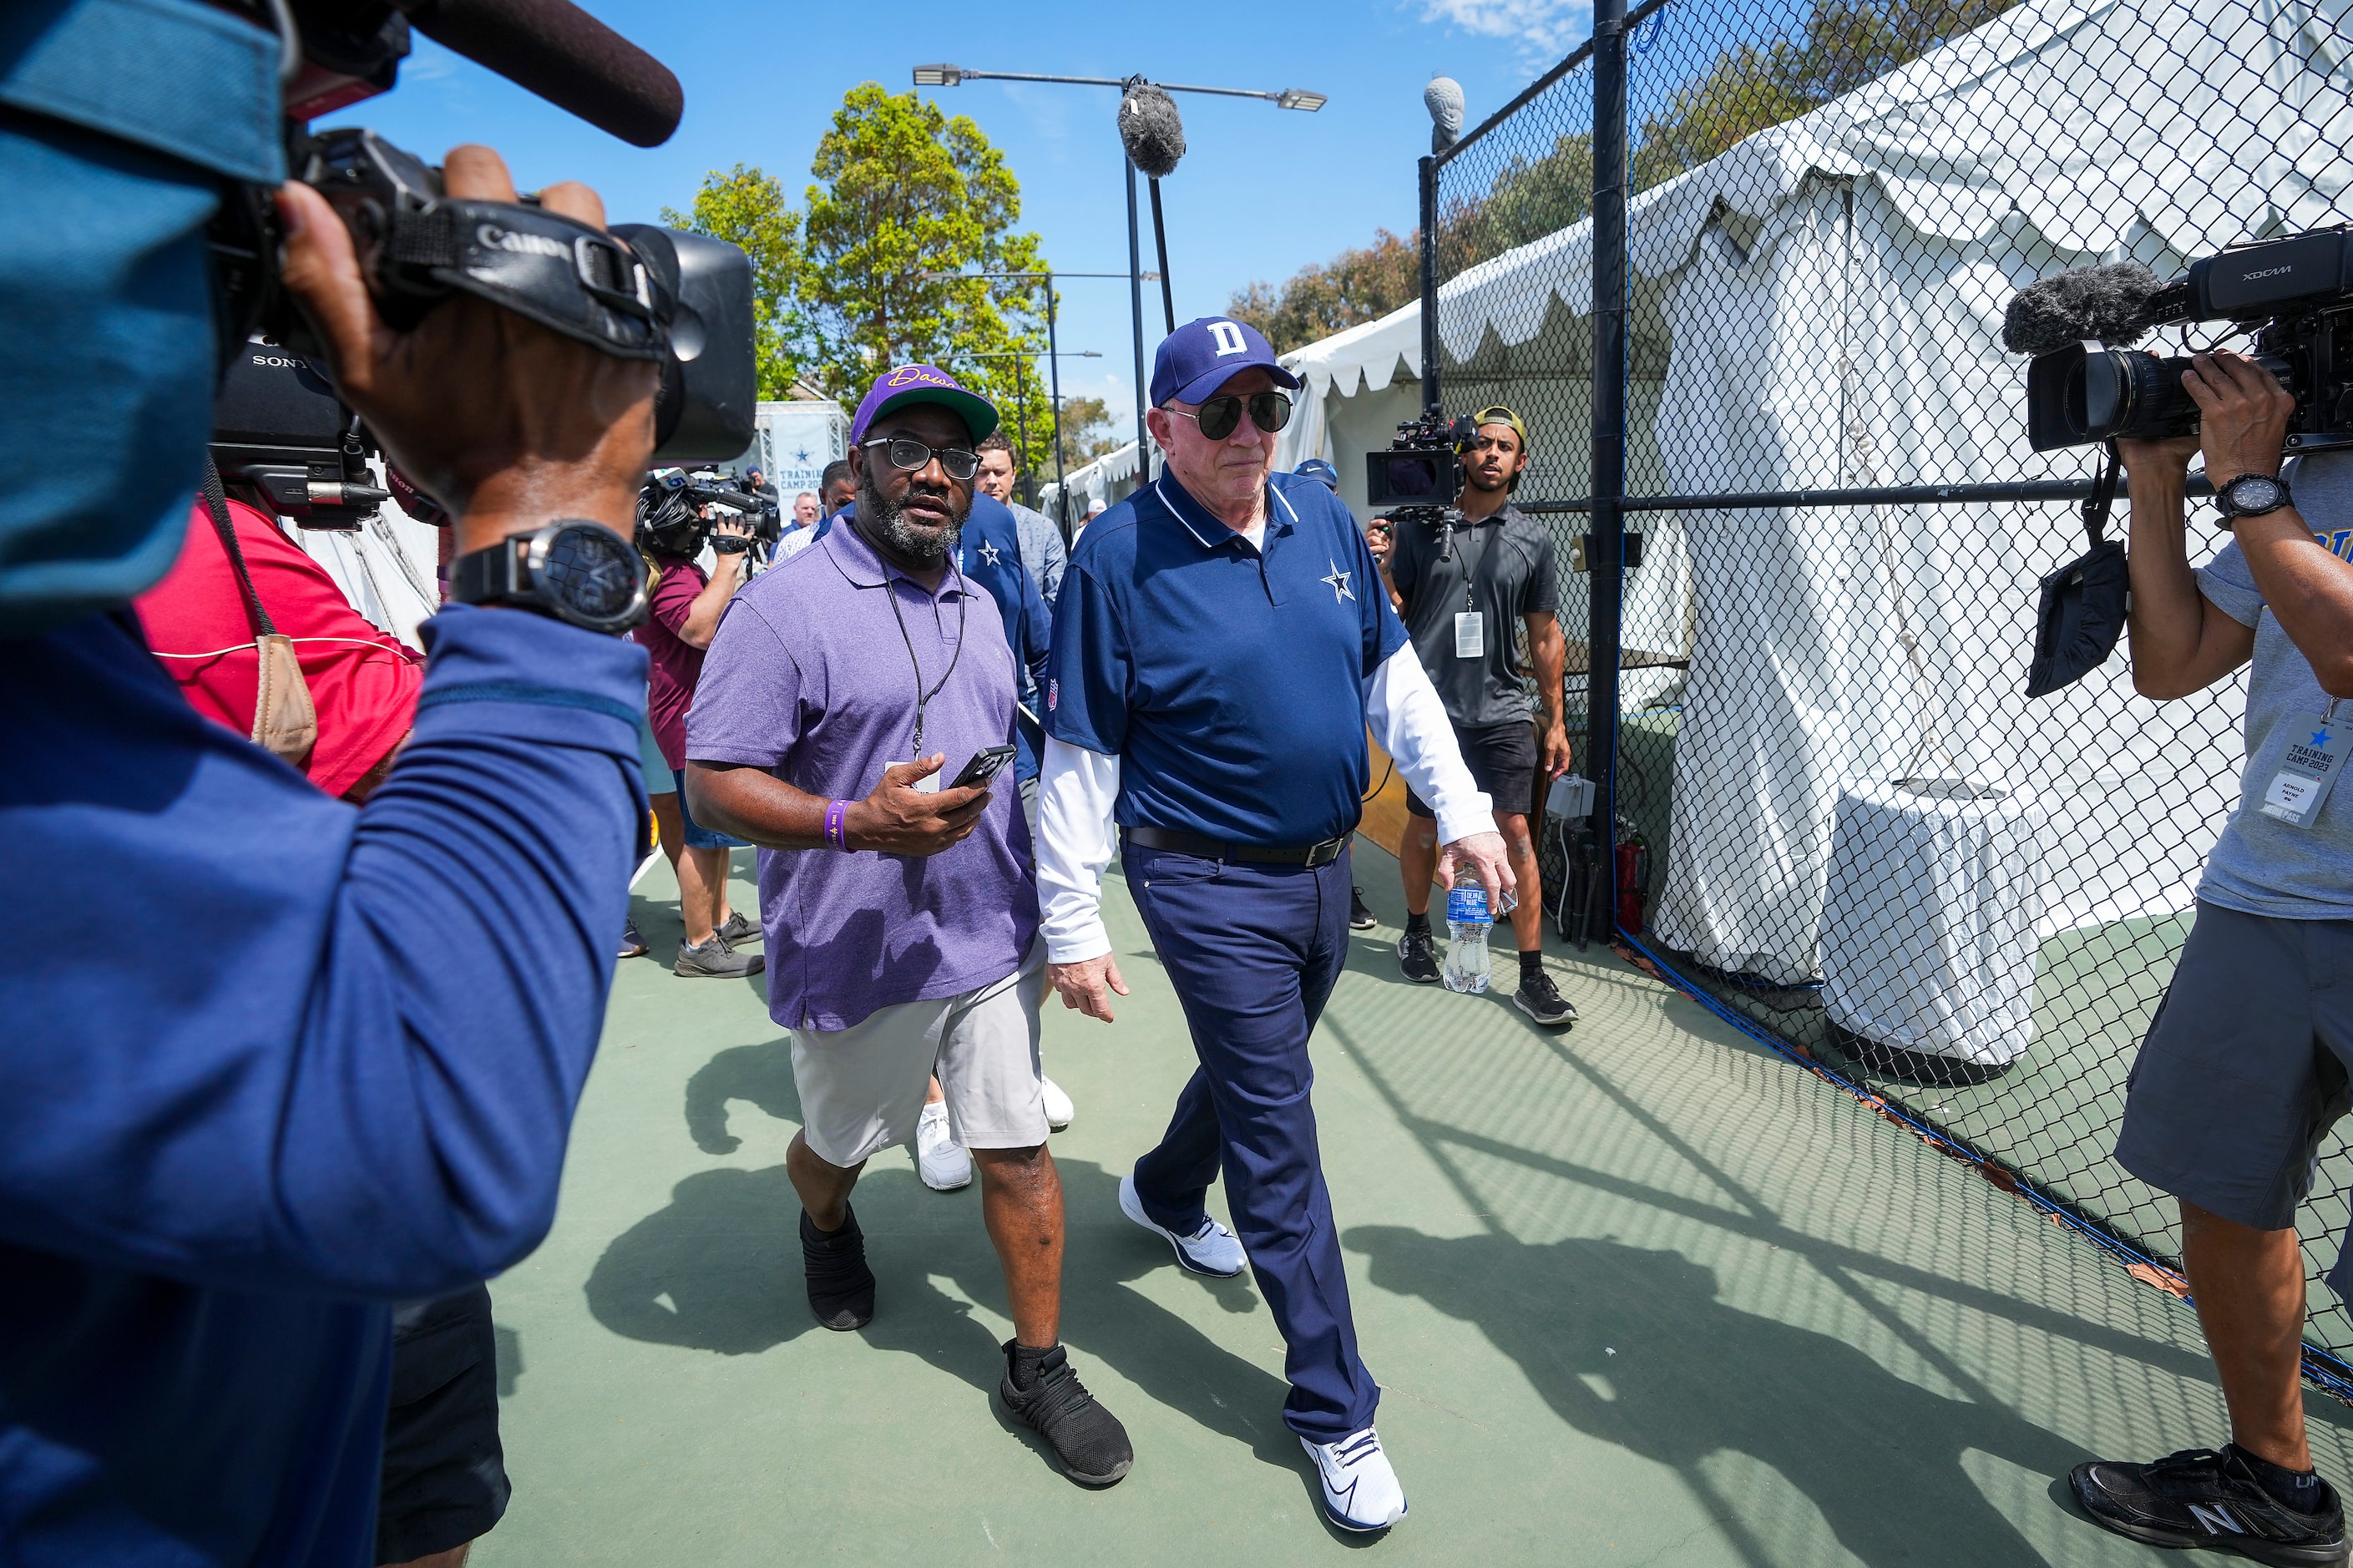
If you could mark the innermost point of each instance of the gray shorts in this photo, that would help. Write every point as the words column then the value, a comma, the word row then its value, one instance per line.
column 2244, row 1070
column 862, row 1088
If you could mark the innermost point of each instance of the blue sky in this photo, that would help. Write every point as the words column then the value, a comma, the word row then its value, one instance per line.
column 1262, row 191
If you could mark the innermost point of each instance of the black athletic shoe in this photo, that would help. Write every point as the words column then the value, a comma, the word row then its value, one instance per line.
column 1088, row 1439
column 841, row 1286
column 1417, row 956
column 2201, row 1498
column 1360, row 914
column 1540, row 999
column 738, row 929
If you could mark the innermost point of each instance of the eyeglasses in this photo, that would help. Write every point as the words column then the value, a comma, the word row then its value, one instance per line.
column 907, row 452
column 1269, row 411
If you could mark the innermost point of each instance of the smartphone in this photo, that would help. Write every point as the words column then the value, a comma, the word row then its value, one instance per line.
column 984, row 766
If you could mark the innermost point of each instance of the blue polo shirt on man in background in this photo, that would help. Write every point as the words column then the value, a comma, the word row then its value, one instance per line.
column 988, row 552
column 1220, row 644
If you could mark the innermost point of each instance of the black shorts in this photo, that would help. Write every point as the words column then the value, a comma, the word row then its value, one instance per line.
column 1503, row 762
column 445, row 1476
column 2244, row 1069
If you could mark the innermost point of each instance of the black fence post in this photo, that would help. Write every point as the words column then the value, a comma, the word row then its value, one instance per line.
column 1429, row 393
column 1606, row 552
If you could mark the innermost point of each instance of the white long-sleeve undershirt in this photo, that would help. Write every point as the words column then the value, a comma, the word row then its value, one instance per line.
column 1077, row 790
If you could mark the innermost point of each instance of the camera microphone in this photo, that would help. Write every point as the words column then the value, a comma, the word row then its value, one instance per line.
column 2116, row 304
column 554, row 48
column 1150, row 130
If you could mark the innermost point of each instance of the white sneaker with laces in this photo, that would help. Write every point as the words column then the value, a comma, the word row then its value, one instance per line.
column 1059, row 1108
column 1213, row 1249
column 1360, row 1488
column 943, row 1163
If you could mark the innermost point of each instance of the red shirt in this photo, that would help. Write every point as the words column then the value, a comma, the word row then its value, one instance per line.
column 364, row 682
column 677, row 665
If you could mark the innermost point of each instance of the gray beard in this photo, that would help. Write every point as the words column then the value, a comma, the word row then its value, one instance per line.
column 904, row 539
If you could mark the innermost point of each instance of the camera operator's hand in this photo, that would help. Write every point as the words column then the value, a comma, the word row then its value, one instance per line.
column 2242, row 411
column 508, row 425
column 900, row 819
column 2159, row 460
column 733, row 528
column 1380, row 538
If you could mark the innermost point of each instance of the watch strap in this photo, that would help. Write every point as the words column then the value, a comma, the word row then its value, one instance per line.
column 496, row 574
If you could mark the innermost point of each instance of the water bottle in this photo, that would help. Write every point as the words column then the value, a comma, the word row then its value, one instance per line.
column 1467, row 924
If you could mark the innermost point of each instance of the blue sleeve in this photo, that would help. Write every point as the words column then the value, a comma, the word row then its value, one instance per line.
column 1384, row 633
column 2229, row 587
column 308, row 1048
column 1089, row 673
column 1037, row 632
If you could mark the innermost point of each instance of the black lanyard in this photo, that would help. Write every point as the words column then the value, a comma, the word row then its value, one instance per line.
column 892, row 593
column 1471, row 567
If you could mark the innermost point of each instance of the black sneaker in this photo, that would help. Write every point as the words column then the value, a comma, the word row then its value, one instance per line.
column 715, row 959
column 2201, row 1498
column 1088, row 1439
column 1360, row 915
column 737, row 928
column 1417, row 956
column 632, row 944
column 841, row 1286
column 1540, row 999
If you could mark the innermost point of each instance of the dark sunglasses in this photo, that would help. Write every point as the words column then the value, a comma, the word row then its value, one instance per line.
column 1269, row 411
column 906, row 452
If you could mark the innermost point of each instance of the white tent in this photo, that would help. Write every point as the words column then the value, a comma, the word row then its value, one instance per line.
column 1109, row 478
column 1828, row 294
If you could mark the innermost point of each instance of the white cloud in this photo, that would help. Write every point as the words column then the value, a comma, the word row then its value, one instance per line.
column 1549, row 28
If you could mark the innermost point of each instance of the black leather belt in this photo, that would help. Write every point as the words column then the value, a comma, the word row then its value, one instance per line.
column 1309, row 855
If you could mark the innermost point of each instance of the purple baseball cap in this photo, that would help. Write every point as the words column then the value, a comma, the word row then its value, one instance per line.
column 923, row 384
column 1203, row 354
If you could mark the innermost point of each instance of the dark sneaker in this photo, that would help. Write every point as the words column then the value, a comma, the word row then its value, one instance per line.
column 715, row 959
column 632, row 944
column 737, row 928
column 841, row 1286
column 1088, row 1439
column 2201, row 1498
column 1540, row 999
column 1417, row 956
column 1360, row 914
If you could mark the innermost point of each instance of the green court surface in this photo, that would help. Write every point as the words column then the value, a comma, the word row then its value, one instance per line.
column 1643, row 1293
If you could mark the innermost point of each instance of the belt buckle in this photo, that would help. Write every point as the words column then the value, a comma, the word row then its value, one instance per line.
column 1326, row 853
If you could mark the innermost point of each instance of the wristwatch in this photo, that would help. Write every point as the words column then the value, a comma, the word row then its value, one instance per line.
column 2251, row 495
column 574, row 570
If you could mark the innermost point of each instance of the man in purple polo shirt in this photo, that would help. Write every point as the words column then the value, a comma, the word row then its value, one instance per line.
column 900, row 915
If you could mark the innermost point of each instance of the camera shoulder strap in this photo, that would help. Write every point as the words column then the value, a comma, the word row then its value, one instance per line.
column 217, row 502
column 2103, row 499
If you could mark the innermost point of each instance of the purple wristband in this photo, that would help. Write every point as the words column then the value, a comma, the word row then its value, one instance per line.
column 835, row 813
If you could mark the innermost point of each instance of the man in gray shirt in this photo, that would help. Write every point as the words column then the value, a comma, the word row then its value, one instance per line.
column 1041, row 542
column 2244, row 1067
column 1468, row 596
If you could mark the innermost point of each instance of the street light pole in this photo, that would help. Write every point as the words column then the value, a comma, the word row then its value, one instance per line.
column 1135, row 301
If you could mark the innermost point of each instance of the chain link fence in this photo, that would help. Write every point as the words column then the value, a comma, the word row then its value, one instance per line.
column 1851, row 831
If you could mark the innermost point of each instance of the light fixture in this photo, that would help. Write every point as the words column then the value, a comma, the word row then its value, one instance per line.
column 950, row 76
column 1300, row 98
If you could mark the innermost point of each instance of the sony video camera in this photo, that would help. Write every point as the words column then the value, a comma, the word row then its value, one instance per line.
column 2295, row 294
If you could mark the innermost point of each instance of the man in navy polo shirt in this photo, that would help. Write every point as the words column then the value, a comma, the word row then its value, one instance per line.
column 1220, row 644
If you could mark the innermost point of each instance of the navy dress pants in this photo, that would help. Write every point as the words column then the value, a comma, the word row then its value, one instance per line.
column 1253, row 951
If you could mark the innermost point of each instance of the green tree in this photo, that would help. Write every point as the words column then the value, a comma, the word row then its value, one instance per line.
column 1086, row 436
column 905, row 195
column 1326, row 297
column 1529, row 198
column 745, row 206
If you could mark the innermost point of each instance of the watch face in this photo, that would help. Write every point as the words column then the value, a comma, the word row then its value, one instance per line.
column 2254, row 493
column 591, row 576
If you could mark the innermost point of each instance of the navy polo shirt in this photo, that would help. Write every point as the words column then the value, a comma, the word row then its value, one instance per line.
column 988, row 552
column 1230, row 683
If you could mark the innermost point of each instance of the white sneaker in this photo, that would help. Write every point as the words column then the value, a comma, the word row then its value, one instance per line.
column 1059, row 1108
column 1213, row 1249
column 1360, row 1489
column 940, row 1160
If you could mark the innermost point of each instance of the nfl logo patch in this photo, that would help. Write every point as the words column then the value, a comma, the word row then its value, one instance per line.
column 1053, row 695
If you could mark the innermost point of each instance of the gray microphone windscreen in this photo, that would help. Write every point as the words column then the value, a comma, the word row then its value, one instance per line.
column 1444, row 98
column 2110, row 303
column 1150, row 130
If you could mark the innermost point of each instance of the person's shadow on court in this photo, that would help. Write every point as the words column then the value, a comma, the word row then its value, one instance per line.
column 1693, row 1377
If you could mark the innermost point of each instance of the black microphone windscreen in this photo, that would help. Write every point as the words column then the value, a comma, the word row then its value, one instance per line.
column 555, row 49
column 1150, row 130
column 2110, row 303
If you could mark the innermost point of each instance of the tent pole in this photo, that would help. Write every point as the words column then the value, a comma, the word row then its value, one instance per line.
column 1429, row 402
column 1606, row 547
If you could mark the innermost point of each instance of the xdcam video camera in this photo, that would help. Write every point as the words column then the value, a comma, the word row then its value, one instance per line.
column 2088, row 385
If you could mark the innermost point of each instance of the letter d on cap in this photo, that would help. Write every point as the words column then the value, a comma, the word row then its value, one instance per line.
column 1229, row 338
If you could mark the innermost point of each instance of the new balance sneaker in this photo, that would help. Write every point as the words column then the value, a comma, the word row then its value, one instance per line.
column 1213, row 1249
column 841, row 1286
column 1417, row 956
column 1041, row 1392
column 943, row 1163
column 1360, row 1488
column 736, row 929
column 1360, row 913
column 2202, row 1498
column 632, row 944
column 715, row 959
column 1540, row 999
column 1059, row 1108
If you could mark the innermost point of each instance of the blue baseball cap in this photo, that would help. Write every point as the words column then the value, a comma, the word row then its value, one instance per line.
column 1318, row 470
column 1203, row 354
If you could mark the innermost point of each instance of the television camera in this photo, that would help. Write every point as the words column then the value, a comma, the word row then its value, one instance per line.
column 679, row 512
column 1421, row 474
